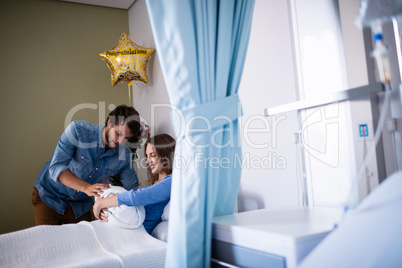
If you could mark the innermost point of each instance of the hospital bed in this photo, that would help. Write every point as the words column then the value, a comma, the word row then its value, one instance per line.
column 86, row 244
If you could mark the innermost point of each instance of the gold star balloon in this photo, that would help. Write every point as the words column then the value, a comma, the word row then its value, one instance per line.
column 127, row 61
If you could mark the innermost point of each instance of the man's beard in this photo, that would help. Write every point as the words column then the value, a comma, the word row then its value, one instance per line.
column 107, row 139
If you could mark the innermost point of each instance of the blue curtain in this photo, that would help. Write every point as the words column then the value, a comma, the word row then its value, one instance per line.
column 201, row 46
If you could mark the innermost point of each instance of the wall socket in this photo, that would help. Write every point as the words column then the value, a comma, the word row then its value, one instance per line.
column 363, row 130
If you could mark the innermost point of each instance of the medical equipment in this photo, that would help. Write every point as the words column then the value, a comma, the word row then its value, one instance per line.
column 380, row 53
column 352, row 200
column 373, row 14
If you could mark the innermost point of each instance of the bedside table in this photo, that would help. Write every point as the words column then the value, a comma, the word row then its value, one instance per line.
column 270, row 237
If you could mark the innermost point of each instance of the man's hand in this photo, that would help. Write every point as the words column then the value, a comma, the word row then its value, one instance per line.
column 95, row 189
column 72, row 181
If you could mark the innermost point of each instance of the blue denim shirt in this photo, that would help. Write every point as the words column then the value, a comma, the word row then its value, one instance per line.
column 80, row 150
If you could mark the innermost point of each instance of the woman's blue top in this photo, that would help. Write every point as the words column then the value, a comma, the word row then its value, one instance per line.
column 153, row 197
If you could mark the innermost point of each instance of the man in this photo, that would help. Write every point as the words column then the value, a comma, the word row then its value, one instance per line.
column 85, row 155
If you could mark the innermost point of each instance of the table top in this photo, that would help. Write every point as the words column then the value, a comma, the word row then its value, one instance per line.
column 277, row 231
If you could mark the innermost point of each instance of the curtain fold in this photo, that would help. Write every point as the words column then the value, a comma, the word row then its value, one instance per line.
column 202, row 46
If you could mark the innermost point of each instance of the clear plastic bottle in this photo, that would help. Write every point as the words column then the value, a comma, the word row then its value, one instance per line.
column 380, row 53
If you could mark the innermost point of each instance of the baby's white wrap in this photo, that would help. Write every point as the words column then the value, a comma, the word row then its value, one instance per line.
column 123, row 216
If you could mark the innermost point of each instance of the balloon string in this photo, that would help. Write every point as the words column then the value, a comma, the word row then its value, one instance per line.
column 130, row 89
column 130, row 100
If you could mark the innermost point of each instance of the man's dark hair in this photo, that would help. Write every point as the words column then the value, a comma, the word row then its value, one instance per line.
column 124, row 114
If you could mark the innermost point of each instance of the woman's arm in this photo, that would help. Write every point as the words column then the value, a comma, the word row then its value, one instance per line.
column 147, row 195
column 142, row 197
column 102, row 203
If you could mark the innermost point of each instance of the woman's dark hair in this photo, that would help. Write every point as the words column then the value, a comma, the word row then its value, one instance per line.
column 124, row 114
column 164, row 145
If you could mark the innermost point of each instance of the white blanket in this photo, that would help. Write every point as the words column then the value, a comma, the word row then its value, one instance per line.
column 86, row 244
column 123, row 216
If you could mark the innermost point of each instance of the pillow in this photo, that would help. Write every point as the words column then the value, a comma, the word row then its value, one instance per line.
column 123, row 216
column 161, row 230
column 165, row 214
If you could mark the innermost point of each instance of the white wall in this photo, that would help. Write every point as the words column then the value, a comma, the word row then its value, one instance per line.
column 356, row 67
column 269, row 174
column 149, row 98
column 269, row 80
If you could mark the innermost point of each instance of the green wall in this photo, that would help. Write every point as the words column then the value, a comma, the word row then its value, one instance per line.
column 49, row 64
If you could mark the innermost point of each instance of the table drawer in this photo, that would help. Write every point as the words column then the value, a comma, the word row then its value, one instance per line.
column 229, row 255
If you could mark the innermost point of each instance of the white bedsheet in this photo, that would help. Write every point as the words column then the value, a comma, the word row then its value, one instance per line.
column 86, row 244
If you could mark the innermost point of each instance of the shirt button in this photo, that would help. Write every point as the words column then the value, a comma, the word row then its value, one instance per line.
column 90, row 176
column 96, row 168
column 82, row 157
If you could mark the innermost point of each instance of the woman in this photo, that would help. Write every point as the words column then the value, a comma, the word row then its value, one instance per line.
column 154, row 196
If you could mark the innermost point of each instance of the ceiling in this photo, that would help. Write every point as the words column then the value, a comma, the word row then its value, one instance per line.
column 123, row 4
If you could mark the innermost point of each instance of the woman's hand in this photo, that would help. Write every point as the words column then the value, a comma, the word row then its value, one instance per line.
column 103, row 215
column 98, row 207
column 104, row 203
